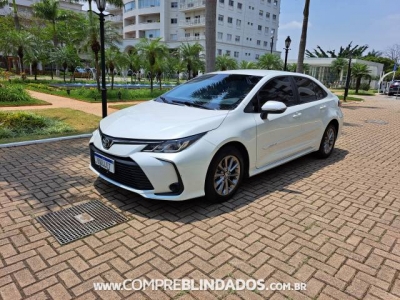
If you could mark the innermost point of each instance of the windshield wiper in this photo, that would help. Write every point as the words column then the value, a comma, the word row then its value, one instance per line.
column 188, row 103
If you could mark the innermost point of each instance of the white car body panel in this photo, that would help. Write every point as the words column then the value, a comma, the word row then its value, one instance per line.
column 268, row 142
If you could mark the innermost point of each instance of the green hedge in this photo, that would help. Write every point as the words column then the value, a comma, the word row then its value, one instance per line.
column 16, row 124
column 14, row 93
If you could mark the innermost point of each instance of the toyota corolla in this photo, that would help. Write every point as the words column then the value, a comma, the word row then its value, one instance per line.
column 204, row 137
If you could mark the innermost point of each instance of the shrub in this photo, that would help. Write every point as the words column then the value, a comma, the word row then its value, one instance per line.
column 364, row 86
column 15, row 124
column 14, row 93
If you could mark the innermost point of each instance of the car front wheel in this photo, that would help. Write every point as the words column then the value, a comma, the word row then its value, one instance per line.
column 327, row 142
column 224, row 175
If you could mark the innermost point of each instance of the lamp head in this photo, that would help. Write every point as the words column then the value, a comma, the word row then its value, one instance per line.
column 101, row 5
column 287, row 42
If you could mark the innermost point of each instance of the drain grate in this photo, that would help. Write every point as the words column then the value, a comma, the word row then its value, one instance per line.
column 380, row 122
column 76, row 222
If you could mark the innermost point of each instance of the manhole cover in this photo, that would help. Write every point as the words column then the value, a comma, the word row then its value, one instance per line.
column 380, row 122
column 76, row 222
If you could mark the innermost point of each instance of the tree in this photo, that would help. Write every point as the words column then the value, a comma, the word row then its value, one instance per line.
column 111, row 62
column 225, row 62
column 3, row 3
column 270, row 61
column 303, row 38
column 374, row 53
column 338, row 65
column 211, row 28
column 359, row 71
column 356, row 52
column 37, row 52
column 66, row 57
column 134, row 62
column 150, row 51
column 388, row 63
column 190, row 55
column 393, row 52
column 247, row 65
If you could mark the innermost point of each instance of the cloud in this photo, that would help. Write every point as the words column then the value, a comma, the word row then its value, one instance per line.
column 293, row 25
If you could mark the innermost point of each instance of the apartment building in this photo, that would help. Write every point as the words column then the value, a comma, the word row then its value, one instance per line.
column 246, row 29
column 24, row 7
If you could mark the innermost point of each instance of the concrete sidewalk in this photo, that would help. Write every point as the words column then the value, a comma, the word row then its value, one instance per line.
column 64, row 102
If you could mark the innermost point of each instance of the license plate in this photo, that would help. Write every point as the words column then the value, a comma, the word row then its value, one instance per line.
column 104, row 162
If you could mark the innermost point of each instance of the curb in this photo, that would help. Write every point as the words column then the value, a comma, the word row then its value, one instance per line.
column 57, row 139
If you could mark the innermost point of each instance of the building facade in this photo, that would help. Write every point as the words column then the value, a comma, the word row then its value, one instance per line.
column 246, row 29
column 24, row 7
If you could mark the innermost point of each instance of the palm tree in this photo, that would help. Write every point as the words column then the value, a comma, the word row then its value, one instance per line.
column 247, row 65
column 225, row 62
column 134, row 62
column 190, row 54
column 111, row 62
column 303, row 38
column 66, row 57
column 3, row 3
column 338, row 65
column 37, row 52
column 270, row 61
column 359, row 71
column 151, row 50
column 211, row 28
column 49, row 10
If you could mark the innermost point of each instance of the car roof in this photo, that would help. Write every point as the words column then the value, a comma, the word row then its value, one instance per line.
column 263, row 73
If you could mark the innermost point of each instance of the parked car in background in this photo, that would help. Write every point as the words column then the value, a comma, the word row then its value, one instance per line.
column 203, row 137
column 394, row 87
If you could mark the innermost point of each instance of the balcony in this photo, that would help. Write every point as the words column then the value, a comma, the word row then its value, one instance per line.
column 192, row 38
column 197, row 22
column 193, row 5
column 116, row 19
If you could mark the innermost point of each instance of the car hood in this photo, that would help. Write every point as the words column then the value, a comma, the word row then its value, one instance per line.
column 160, row 121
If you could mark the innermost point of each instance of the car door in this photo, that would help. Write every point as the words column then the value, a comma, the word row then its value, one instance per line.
column 277, row 134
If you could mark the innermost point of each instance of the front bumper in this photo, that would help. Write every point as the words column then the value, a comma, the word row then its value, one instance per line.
column 162, row 176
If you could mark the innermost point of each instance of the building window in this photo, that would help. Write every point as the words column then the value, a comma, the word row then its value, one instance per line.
column 266, row 29
column 274, row 17
column 258, row 42
column 237, row 38
column 228, row 52
column 239, row 5
column 187, row 34
column 265, row 43
column 276, row 2
column 130, row 6
column 231, row 3
column 269, row 1
column 220, row 35
column 229, row 37
column 230, row 20
column 222, row 1
column 267, row 15
column 259, row 27
column 236, row 54
column 272, row 31
column 238, row 22
column 173, row 37
column 219, row 51
column 220, row 18
column 261, row 13
column 149, row 3
column 174, row 4
column 257, row 56
column 174, row 21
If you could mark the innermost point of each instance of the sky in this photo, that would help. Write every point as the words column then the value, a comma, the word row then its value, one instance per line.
column 335, row 23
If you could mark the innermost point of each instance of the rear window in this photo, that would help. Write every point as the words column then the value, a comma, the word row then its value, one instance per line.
column 308, row 90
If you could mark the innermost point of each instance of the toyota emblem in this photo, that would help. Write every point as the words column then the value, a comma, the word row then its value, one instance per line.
column 107, row 143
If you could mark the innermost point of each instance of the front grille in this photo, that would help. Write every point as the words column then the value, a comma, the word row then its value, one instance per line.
column 127, row 171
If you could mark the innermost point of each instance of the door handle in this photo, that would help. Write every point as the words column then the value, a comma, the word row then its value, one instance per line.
column 296, row 115
column 322, row 107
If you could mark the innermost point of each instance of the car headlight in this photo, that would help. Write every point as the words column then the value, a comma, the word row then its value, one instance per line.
column 173, row 146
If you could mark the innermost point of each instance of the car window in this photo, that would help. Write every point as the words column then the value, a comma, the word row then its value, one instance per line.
column 308, row 90
column 277, row 89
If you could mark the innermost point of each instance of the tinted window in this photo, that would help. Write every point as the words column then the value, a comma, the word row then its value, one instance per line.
column 277, row 89
column 308, row 90
column 214, row 91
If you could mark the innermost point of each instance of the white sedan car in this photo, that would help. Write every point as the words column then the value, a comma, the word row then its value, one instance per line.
column 203, row 137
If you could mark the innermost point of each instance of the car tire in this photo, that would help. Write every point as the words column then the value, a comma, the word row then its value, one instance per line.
column 328, row 142
column 221, row 182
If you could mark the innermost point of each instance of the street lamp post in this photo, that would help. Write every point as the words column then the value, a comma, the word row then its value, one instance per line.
column 287, row 45
column 272, row 43
column 101, row 5
column 346, row 89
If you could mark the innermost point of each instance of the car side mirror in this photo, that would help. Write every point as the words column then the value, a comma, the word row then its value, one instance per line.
column 272, row 107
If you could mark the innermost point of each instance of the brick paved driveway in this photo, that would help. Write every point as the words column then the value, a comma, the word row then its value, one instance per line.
column 333, row 223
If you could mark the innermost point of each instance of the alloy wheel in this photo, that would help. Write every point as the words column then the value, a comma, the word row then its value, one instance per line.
column 227, row 175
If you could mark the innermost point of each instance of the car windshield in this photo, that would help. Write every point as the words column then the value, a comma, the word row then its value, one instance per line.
column 212, row 91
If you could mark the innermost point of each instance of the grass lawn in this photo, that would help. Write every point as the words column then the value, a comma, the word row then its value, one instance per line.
column 24, row 103
column 353, row 92
column 61, row 121
column 121, row 106
column 350, row 98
